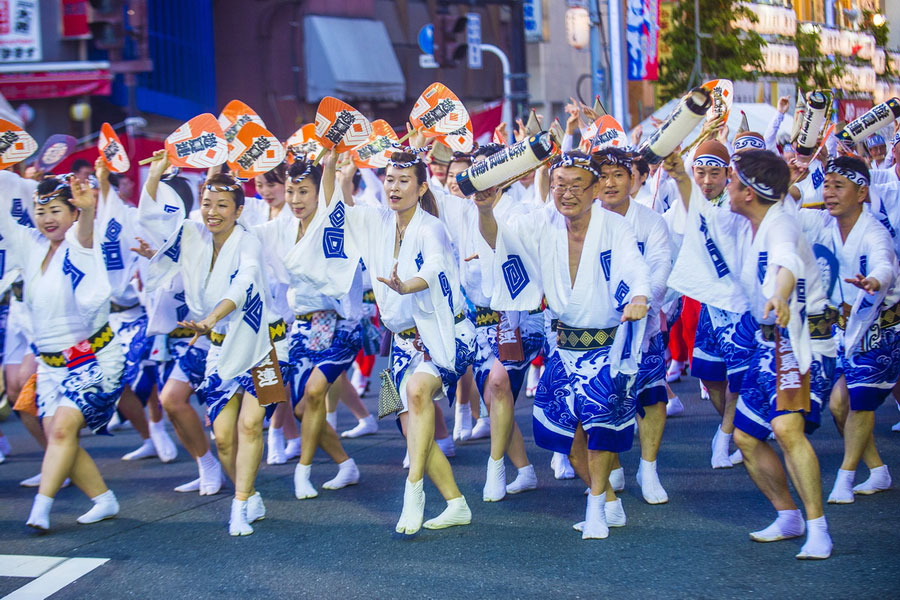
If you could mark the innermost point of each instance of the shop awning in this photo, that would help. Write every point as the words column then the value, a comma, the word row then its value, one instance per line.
column 20, row 84
column 350, row 59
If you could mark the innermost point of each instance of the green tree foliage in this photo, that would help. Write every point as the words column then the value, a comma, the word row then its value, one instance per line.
column 816, row 71
column 728, row 53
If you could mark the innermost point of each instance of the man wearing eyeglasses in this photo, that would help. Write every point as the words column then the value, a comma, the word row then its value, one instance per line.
column 585, row 261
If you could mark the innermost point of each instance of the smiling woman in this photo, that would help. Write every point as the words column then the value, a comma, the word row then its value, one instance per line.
column 221, row 265
column 415, row 280
column 78, row 376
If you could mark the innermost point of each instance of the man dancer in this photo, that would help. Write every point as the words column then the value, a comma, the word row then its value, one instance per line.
column 790, row 378
column 723, row 347
column 585, row 403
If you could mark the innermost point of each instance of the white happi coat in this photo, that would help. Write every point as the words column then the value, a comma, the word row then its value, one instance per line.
column 704, row 268
column 294, row 294
column 531, row 261
column 654, row 245
column 868, row 250
column 115, row 228
column 186, row 247
column 340, row 235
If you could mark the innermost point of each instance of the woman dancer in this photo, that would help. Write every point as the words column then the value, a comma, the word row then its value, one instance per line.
column 80, row 365
column 416, row 285
column 325, row 335
column 220, row 265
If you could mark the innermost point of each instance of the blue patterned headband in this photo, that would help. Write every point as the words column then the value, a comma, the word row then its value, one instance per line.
column 742, row 142
column 62, row 186
column 763, row 190
column 405, row 165
column 854, row 176
column 303, row 175
column 709, row 160
column 577, row 162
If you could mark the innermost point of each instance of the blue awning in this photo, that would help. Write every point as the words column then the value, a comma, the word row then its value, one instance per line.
column 350, row 59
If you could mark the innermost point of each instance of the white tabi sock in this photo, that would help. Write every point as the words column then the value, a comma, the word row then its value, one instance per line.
column 413, row 508
column 105, row 507
column 237, row 524
column 365, row 426
column 292, row 450
column 146, row 450
column 303, row 488
column 595, row 527
column 462, row 422
column 562, row 468
column 348, row 474
column 789, row 524
column 818, row 543
column 275, row 446
column 674, row 407
column 447, row 446
column 879, row 480
column 617, row 479
column 456, row 513
column 40, row 512
column 495, row 481
column 331, row 419
column 525, row 480
column 720, row 450
column 736, row 457
column 190, row 486
column 842, row 492
column 615, row 515
column 256, row 510
column 651, row 488
column 166, row 449
column 211, row 478
column 482, row 428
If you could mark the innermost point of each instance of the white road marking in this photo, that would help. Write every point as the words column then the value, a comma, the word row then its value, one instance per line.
column 52, row 573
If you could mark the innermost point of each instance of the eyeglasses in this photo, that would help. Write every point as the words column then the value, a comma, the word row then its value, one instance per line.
column 576, row 190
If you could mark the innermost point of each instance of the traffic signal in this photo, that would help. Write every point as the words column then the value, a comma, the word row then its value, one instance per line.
column 106, row 22
column 449, row 48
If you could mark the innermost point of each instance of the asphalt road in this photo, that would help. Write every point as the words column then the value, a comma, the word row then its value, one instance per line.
column 169, row 545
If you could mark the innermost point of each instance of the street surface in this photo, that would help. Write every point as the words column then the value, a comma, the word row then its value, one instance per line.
column 341, row 544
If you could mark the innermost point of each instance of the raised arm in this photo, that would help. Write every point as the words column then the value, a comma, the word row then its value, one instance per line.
column 329, row 173
column 157, row 169
column 102, row 173
column 487, row 224
column 674, row 167
column 83, row 200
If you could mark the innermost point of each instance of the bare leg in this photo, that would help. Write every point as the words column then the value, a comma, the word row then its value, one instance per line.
column 349, row 396
column 33, row 425
column 717, row 390
column 64, row 458
column 764, row 468
column 839, row 404
column 650, row 430
column 728, row 415
column 801, row 461
column 175, row 399
column 250, row 446
column 130, row 406
column 153, row 406
column 225, row 428
column 313, row 424
column 440, row 425
column 857, row 437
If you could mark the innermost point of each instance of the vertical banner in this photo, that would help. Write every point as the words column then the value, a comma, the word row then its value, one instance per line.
column 20, row 31
column 642, row 36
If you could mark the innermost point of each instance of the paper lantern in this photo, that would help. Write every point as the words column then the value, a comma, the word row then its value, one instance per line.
column 80, row 111
column 578, row 27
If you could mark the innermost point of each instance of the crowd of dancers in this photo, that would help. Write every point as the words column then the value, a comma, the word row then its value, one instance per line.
column 570, row 286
